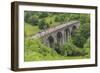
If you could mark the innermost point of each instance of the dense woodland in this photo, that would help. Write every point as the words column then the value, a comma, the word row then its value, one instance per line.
column 78, row 46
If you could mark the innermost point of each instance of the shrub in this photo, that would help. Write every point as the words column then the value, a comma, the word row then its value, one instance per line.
column 87, row 48
column 33, row 56
column 35, row 50
column 71, row 50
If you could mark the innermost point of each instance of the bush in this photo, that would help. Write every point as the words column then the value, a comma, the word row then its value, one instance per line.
column 35, row 50
column 87, row 48
column 33, row 56
column 71, row 50
column 80, row 36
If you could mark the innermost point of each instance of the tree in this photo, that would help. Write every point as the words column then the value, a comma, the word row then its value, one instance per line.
column 43, row 15
column 34, row 20
column 81, row 35
column 84, row 18
column 69, row 49
column 78, row 39
column 60, row 18
column 43, row 24
column 27, row 16
column 87, row 48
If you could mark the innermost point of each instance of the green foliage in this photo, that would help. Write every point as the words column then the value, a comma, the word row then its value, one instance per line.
column 43, row 15
column 78, row 40
column 34, row 20
column 80, row 36
column 44, row 23
column 35, row 50
column 71, row 50
column 78, row 45
column 30, row 30
column 87, row 48
column 87, row 44
column 45, row 20
column 60, row 18
column 73, row 16
column 85, row 30
column 84, row 18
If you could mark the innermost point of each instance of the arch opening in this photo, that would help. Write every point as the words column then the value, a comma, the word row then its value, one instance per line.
column 59, row 39
column 66, row 34
column 73, row 29
column 51, row 41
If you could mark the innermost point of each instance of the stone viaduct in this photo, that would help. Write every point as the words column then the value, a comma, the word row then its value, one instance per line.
column 58, row 35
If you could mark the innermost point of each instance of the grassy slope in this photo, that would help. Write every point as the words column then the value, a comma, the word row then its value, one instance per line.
column 36, row 51
column 31, row 30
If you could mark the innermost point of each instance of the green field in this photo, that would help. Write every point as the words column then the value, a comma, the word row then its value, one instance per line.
column 31, row 30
